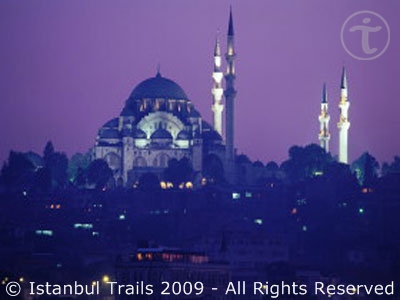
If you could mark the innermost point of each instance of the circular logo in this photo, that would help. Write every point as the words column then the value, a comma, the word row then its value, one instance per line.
column 365, row 35
column 13, row 289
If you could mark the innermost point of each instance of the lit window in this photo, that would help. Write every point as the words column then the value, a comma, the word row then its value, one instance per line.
column 258, row 221
column 235, row 196
column 44, row 232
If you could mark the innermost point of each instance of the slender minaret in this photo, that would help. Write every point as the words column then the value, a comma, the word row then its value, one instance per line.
column 230, row 93
column 344, row 123
column 217, row 90
column 324, row 117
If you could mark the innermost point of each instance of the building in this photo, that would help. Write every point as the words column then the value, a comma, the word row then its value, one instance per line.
column 190, row 274
column 159, row 123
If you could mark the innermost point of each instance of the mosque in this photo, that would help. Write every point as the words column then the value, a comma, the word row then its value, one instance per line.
column 159, row 123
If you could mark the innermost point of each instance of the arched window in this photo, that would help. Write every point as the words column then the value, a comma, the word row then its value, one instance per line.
column 140, row 161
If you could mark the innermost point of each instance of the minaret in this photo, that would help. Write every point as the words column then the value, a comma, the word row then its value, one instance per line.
column 230, row 94
column 324, row 117
column 217, row 90
column 344, row 123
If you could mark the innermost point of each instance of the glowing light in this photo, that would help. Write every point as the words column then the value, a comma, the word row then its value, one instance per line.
column 83, row 226
column 235, row 196
column 121, row 217
column 21, row 279
column 258, row 221
column 24, row 193
column 44, row 232
column 170, row 185
column 163, row 185
column 248, row 195
column 304, row 228
column 106, row 278
column 294, row 211
column 203, row 181
column 94, row 283
column 361, row 210
column 189, row 185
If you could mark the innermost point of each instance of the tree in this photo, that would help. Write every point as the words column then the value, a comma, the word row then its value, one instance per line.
column 394, row 167
column 77, row 163
column 149, row 182
column 99, row 173
column 56, row 164
column 306, row 162
column 213, row 169
column 17, row 173
column 272, row 170
column 366, row 168
column 48, row 151
column 179, row 171
column 43, row 180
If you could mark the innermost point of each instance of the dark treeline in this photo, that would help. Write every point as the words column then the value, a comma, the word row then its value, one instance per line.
column 339, row 219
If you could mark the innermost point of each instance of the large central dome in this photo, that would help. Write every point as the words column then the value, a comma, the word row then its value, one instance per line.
column 158, row 87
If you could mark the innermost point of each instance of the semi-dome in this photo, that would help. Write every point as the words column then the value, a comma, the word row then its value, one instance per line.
column 113, row 123
column 158, row 87
column 161, row 134
column 183, row 135
column 139, row 134
column 107, row 133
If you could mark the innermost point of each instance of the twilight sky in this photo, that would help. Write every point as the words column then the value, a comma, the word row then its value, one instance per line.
column 67, row 66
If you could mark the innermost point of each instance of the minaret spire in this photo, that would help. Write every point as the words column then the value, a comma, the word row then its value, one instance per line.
column 324, row 135
column 230, row 26
column 344, row 123
column 230, row 94
column 217, row 90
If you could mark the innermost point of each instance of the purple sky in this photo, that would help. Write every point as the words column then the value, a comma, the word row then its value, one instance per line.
column 66, row 67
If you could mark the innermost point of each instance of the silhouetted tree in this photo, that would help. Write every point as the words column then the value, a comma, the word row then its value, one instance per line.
column 149, row 182
column 213, row 169
column 393, row 167
column 99, row 173
column 48, row 151
column 43, row 180
column 57, row 164
column 17, row 172
column 80, row 178
column 179, row 171
column 77, row 162
column 305, row 162
column 366, row 168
